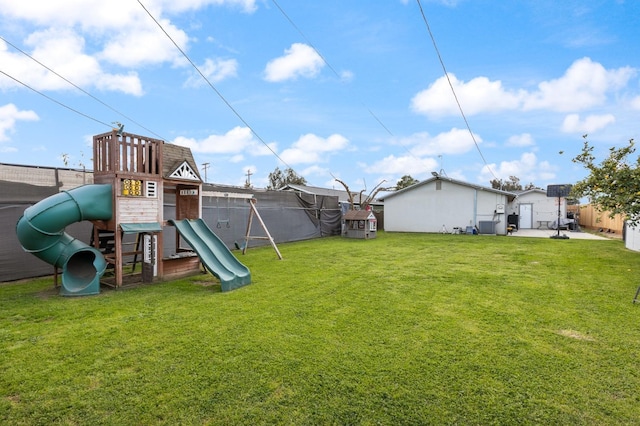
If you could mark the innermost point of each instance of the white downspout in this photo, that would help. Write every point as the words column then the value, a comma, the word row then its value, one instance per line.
column 475, row 207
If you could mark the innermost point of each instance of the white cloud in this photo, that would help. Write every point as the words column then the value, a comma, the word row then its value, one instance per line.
column 104, row 15
column 299, row 60
column 314, row 170
column 476, row 96
column 635, row 103
column 215, row 70
column 585, row 84
column 70, row 13
column 129, row 83
column 527, row 168
column 136, row 46
column 404, row 165
column 524, row 139
column 119, row 31
column 62, row 51
column 591, row 123
column 81, row 39
column 247, row 6
column 311, row 148
column 422, row 147
column 346, row 76
column 236, row 141
column 455, row 141
column 9, row 114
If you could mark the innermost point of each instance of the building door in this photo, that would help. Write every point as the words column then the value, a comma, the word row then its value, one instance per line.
column 526, row 216
column 187, row 202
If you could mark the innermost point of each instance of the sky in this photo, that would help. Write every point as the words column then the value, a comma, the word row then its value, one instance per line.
column 354, row 90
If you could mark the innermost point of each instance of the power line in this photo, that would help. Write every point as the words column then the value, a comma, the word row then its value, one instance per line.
column 79, row 88
column 55, row 101
column 327, row 63
column 213, row 87
column 464, row 117
column 297, row 28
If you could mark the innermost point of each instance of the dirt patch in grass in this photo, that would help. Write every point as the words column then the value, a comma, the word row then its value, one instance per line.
column 49, row 292
column 572, row 334
column 205, row 280
column 14, row 399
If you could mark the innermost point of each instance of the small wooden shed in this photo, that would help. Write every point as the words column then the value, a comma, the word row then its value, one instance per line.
column 360, row 224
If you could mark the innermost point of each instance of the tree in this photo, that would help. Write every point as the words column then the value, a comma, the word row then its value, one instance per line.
column 614, row 184
column 513, row 184
column 278, row 178
column 406, row 181
column 364, row 203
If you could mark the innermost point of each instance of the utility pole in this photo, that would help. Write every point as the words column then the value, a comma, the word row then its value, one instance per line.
column 248, row 181
column 205, row 166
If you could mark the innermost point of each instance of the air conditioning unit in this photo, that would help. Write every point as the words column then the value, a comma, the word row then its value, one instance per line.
column 487, row 227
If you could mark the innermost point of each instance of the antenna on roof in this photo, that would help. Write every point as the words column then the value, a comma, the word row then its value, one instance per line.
column 442, row 172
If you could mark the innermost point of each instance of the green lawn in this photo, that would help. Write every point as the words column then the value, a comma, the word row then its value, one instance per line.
column 403, row 329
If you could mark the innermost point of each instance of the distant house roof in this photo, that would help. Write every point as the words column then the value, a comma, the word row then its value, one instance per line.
column 530, row 191
column 343, row 196
column 510, row 195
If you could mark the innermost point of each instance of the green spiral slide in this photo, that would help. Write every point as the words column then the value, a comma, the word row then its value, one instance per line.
column 41, row 232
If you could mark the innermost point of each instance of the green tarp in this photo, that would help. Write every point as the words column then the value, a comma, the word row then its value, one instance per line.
column 134, row 228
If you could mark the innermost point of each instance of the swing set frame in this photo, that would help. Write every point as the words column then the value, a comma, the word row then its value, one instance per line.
column 253, row 212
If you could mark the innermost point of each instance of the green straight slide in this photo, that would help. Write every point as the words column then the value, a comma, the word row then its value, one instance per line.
column 213, row 253
column 40, row 231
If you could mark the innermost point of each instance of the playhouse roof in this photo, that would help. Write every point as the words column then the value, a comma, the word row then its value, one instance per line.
column 358, row 215
column 174, row 156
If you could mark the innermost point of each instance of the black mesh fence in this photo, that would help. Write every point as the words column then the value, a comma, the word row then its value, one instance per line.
column 287, row 217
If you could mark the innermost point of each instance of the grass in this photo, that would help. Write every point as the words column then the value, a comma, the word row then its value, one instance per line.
column 402, row 329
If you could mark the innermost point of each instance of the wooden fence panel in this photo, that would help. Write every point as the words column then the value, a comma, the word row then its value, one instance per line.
column 591, row 218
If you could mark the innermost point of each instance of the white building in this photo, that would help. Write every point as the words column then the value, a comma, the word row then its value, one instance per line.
column 440, row 204
column 536, row 210
column 632, row 237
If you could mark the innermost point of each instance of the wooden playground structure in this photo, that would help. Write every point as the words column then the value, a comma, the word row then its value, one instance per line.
column 143, row 171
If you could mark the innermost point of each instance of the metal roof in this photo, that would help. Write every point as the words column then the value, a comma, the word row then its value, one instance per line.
column 510, row 195
column 343, row 196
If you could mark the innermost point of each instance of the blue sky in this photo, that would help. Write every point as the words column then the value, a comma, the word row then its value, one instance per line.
column 332, row 88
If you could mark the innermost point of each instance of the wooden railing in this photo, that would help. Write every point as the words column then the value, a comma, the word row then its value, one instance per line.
column 126, row 153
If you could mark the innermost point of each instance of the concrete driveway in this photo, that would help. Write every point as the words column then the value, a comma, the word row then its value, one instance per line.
column 547, row 233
